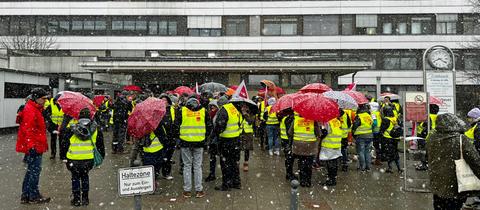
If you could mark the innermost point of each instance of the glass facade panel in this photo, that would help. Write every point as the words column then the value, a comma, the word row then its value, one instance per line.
column 321, row 25
column 471, row 24
column 421, row 25
column 347, row 24
column 280, row 26
column 254, row 80
column 387, row 28
column 304, row 79
column 100, row 25
column 400, row 61
column 236, row 26
column 129, row 25
column 88, row 25
column 77, row 25
column 163, row 27
column 117, row 25
column 172, row 28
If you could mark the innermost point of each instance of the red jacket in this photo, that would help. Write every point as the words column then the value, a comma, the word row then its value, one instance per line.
column 32, row 132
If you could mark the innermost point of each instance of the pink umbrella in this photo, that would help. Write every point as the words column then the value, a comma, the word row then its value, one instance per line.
column 145, row 117
column 358, row 96
column 284, row 102
column 184, row 89
column 315, row 106
column 73, row 102
column 435, row 100
column 315, row 88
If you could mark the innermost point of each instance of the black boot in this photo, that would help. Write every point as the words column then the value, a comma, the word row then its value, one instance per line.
column 75, row 199
column 85, row 200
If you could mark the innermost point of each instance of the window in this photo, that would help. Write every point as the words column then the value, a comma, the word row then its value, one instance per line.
column 236, row 26
column 4, row 23
column 471, row 24
column 387, row 28
column 366, row 24
column 22, row 25
column 347, row 24
column 400, row 61
column 162, row 27
column 204, row 32
column 129, row 26
column 447, row 24
column 321, row 25
column 20, row 90
column 280, row 26
column 421, row 25
column 255, row 79
column 472, row 61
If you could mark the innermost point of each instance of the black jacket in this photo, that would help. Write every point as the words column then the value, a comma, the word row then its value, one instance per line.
column 222, row 119
column 121, row 107
column 178, row 122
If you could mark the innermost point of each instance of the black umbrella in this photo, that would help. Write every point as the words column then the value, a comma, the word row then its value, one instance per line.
column 212, row 87
column 251, row 105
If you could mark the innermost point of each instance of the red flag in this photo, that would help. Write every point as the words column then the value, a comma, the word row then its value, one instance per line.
column 196, row 88
column 352, row 86
column 241, row 91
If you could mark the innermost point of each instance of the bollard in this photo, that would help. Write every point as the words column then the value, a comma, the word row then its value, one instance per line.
column 294, row 195
column 137, row 198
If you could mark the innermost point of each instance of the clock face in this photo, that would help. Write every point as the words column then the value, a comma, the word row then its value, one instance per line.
column 440, row 59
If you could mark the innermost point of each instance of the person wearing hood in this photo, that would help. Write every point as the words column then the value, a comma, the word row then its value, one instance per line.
column 444, row 148
column 363, row 134
column 121, row 108
column 170, row 141
column 423, row 131
column 391, row 144
column 286, row 118
column 272, row 128
column 53, row 116
column 83, row 136
column 32, row 141
column 193, row 126
column 473, row 133
column 227, row 128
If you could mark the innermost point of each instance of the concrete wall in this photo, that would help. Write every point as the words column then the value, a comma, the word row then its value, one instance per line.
column 9, row 106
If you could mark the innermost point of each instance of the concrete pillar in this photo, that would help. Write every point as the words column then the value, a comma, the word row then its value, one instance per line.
column 61, row 84
column 234, row 79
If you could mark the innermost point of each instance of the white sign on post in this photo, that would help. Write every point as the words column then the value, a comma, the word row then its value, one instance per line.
column 440, row 85
column 136, row 181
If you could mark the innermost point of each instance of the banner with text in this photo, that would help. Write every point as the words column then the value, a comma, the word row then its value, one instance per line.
column 440, row 85
column 136, row 181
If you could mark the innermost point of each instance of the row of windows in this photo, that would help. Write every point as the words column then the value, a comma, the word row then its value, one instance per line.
column 314, row 25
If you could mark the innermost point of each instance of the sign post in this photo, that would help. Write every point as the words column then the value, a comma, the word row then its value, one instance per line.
column 136, row 181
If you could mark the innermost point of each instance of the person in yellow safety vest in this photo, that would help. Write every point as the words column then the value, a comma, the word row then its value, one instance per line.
column 272, row 128
column 377, row 136
column 331, row 150
column 305, row 134
column 246, row 138
column 193, row 126
column 261, row 130
column 105, row 113
column 474, row 133
column 170, row 143
column 227, row 127
column 286, row 118
column 82, row 136
column 390, row 149
column 54, row 117
column 423, row 132
column 362, row 130
column 346, row 121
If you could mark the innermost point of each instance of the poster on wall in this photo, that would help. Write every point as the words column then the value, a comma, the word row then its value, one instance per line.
column 440, row 85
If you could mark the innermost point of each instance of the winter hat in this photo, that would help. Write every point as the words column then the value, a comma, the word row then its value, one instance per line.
column 272, row 101
column 38, row 93
column 474, row 113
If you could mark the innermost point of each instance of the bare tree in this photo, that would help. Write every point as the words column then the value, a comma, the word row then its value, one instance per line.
column 472, row 62
column 305, row 79
column 27, row 43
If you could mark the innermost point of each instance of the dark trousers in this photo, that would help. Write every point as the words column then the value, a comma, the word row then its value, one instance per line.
column 447, row 203
column 377, row 137
column 229, row 158
column 212, row 152
column 80, row 180
column 305, row 165
column 332, row 169
column 167, row 160
column 32, row 176
column 154, row 159
column 53, row 144
column 289, row 160
column 262, row 135
column 119, row 135
column 344, row 151
column 246, row 155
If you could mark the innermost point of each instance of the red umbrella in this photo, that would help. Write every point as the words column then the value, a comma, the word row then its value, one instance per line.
column 284, row 102
column 359, row 97
column 435, row 100
column 314, row 106
column 234, row 87
column 98, row 99
column 184, row 89
column 145, row 117
column 132, row 88
column 315, row 88
column 73, row 102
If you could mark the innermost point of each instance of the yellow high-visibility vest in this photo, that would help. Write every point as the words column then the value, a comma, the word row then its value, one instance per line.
column 376, row 129
column 262, row 107
column 272, row 117
column 345, row 128
column 72, row 121
column 283, row 129
column 303, row 129
column 172, row 113
column 57, row 114
column 46, row 104
column 247, row 128
column 423, row 125
column 193, row 127
column 155, row 146
column 106, row 107
column 393, row 122
column 333, row 140
column 471, row 132
column 81, row 149
column 233, row 124
column 366, row 124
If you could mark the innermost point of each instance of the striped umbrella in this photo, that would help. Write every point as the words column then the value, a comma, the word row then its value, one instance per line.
column 343, row 100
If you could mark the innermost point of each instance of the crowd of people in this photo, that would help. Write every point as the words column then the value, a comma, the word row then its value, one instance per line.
column 224, row 127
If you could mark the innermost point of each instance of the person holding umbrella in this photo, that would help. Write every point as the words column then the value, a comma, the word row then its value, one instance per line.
column 286, row 118
column 170, row 141
column 305, row 134
column 54, row 116
column 194, row 125
column 331, row 149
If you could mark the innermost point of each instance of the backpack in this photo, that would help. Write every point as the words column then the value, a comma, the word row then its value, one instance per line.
column 396, row 132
